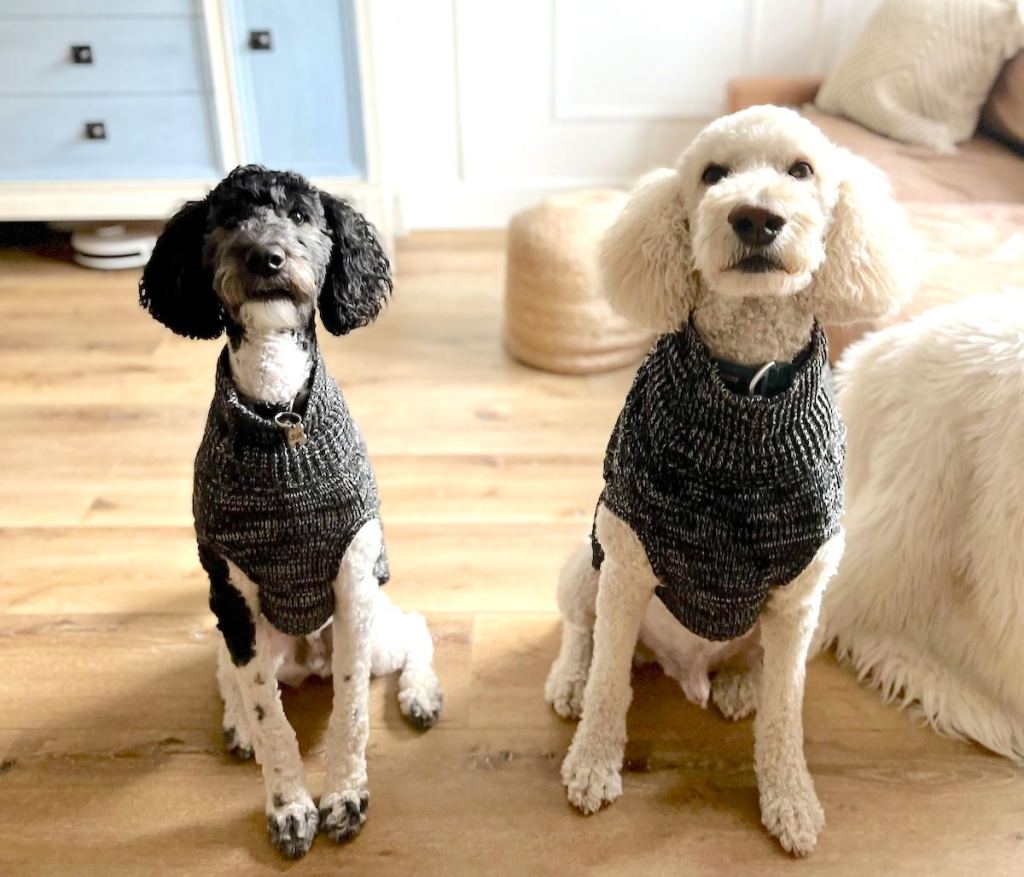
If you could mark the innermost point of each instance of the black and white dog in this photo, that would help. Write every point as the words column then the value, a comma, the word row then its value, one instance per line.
column 285, row 501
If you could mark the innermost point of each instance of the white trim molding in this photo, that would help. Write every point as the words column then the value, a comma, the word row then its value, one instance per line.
column 83, row 200
column 223, row 81
column 25, row 201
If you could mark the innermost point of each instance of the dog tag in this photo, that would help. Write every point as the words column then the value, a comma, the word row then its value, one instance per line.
column 291, row 423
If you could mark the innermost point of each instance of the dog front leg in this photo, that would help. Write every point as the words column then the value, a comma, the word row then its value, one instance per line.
column 592, row 769
column 235, row 728
column 291, row 816
column 346, row 798
column 789, row 806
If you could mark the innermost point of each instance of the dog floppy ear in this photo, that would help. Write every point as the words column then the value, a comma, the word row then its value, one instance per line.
column 871, row 255
column 646, row 257
column 176, row 288
column 358, row 280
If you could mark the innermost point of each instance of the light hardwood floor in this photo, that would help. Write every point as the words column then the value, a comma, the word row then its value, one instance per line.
column 109, row 713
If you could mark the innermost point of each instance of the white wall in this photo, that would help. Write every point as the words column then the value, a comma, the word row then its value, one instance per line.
column 485, row 106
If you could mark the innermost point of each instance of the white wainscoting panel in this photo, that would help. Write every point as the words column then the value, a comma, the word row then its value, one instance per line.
column 489, row 105
column 610, row 63
column 510, row 132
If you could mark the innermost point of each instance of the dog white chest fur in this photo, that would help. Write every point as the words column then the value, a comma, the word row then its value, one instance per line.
column 763, row 227
column 274, row 362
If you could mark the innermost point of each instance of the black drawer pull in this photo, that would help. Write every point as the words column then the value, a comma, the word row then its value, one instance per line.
column 81, row 54
column 260, row 40
column 95, row 131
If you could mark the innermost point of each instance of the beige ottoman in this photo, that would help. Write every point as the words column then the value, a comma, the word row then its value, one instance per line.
column 554, row 317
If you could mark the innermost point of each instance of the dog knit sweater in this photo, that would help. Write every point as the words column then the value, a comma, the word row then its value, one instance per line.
column 284, row 515
column 730, row 495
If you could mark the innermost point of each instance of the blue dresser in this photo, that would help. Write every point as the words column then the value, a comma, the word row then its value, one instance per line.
column 104, row 89
column 115, row 98
column 298, row 85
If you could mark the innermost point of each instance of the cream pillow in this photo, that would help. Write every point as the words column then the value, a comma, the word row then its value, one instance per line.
column 922, row 69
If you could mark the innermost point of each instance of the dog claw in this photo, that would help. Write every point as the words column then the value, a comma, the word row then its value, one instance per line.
column 342, row 814
column 423, row 717
column 795, row 819
column 292, row 828
column 735, row 695
column 590, row 785
column 421, row 704
column 234, row 745
column 565, row 694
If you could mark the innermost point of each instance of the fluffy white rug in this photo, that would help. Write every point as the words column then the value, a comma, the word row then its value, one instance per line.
column 928, row 602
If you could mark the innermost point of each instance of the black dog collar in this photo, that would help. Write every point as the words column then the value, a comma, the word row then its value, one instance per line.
column 767, row 379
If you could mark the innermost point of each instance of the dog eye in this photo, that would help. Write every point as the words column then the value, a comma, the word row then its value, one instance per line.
column 801, row 171
column 713, row 173
column 297, row 216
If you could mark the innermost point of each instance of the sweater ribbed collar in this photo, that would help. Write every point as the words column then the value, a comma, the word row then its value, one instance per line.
column 695, row 415
column 243, row 420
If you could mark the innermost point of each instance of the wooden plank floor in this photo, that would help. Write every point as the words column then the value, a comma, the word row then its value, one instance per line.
column 110, row 724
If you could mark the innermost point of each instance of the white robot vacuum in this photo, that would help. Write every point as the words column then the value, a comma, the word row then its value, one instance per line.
column 112, row 247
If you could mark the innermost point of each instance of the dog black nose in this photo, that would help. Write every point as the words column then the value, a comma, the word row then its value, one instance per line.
column 755, row 226
column 265, row 261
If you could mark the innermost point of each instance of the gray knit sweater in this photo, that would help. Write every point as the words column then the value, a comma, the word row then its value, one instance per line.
column 284, row 515
column 731, row 495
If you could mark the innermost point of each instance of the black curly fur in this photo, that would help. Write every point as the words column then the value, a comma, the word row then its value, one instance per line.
column 176, row 288
column 358, row 280
column 249, row 186
column 234, row 620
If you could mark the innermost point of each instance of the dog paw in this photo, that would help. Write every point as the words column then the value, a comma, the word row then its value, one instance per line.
column 342, row 814
column 292, row 826
column 795, row 818
column 421, row 703
column 590, row 783
column 735, row 694
column 565, row 692
column 237, row 745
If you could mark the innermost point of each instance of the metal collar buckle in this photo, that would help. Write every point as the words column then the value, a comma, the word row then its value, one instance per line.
column 760, row 375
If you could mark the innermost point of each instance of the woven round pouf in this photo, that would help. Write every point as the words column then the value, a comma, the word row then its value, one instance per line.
column 555, row 319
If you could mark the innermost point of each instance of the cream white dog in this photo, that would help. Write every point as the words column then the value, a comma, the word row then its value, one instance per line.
column 928, row 602
column 764, row 228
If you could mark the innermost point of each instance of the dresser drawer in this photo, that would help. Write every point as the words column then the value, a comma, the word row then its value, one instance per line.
column 24, row 8
column 167, row 136
column 37, row 56
column 300, row 91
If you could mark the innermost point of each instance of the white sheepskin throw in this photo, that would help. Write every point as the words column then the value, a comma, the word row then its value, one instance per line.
column 928, row 602
column 922, row 69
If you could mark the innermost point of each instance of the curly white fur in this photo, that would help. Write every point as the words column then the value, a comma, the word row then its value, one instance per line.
column 843, row 253
column 928, row 603
column 273, row 359
column 847, row 250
